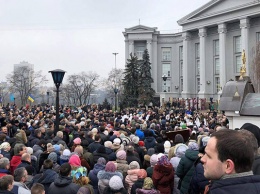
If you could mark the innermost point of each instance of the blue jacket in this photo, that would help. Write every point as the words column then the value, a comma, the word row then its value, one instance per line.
column 240, row 185
column 140, row 134
column 93, row 176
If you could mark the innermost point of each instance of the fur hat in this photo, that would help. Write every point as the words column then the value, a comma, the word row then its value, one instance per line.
column 53, row 156
column 108, row 144
column 153, row 160
column 167, row 146
column 134, row 165
column 148, row 183
column 110, row 167
column 66, row 152
column 121, row 155
column 116, row 183
column 142, row 174
column 135, row 140
column 74, row 160
column 77, row 141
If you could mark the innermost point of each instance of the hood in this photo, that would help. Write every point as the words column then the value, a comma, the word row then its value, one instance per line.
column 62, row 181
column 109, row 151
column 56, row 139
column 64, row 158
column 49, row 176
column 192, row 154
column 180, row 150
column 107, row 175
column 98, row 167
column 36, row 148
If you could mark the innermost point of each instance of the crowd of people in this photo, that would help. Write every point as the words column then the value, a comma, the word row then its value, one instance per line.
column 100, row 151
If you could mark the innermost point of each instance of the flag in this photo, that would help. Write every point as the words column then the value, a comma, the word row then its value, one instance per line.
column 12, row 97
column 31, row 98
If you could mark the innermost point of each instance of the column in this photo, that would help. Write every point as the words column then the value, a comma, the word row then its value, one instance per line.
column 202, row 35
column 154, row 65
column 131, row 47
column 126, row 50
column 245, row 25
column 186, row 40
column 222, row 30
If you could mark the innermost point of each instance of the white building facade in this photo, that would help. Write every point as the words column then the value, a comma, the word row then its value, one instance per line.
column 206, row 54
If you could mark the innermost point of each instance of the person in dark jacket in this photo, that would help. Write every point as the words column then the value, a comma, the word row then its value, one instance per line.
column 131, row 155
column 100, row 152
column 5, row 150
column 95, row 145
column 100, row 165
column 26, row 163
column 227, row 162
column 150, row 141
column 4, row 167
column 186, row 167
column 111, row 154
column 47, row 177
column 34, row 137
column 63, row 184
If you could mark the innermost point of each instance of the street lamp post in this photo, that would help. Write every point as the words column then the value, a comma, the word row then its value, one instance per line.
column 48, row 97
column 115, row 89
column 164, row 77
column 57, row 76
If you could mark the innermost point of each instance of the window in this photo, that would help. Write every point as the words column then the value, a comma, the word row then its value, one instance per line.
column 237, row 44
column 166, row 86
column 216, row 47
column 166, row 69
column 238, row 63
column 217, row 84
column 258, row 37
column 198, row 84
column 181, row 68
column 181, row 84
column 198, row 66
column 166, row 54
column 181, row 53
column 217, row 67
column 197, row 50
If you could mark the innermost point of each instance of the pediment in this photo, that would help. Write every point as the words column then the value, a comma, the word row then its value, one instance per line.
column 216, row 7
column 140, row 28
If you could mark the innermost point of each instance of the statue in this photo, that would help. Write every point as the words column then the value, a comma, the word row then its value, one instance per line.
column 243, row 67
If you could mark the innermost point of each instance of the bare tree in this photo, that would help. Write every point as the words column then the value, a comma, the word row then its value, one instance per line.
column 79, row 87
column 25, row 81
column 4, row 90
column 256, row 67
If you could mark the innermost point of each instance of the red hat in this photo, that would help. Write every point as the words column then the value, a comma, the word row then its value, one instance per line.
column 141, row 143
column 74, row 160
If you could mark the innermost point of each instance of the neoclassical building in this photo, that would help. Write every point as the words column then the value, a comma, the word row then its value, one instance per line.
column 207, row 53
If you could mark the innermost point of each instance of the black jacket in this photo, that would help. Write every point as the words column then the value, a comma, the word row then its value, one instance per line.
column 63, row 185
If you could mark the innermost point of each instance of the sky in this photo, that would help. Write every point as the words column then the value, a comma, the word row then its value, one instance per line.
column 79, row 35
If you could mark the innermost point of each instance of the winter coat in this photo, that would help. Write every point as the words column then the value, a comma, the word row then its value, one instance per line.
column 33, row 141
column 149, row 142
column 96, row 156
column 28, row 166
column 163, row 178
column 93, row 176
column 6, row 192
column 6, row 154
column 37, row 150
column 57, row 140
column 239, row 185
column 151, row 191
column 140, row 134
column 111, row 154
column 109, row 190
column 46, row 178
column 93, row 146
column 137, row 185
column 149, row 171
column 140, row 152
column 15, row 161
column 64, row 159
column 185, row 169
column 4, row 172
column 22, row 188
column 198, row 181
column 130, row 157
column 256, row 166
column 104, row 177
column 131, row 178
column 122, row 167
column 63, row 185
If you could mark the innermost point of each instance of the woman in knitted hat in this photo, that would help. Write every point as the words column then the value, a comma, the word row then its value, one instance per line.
column 142, row 174
column 147, row 187
column 65, row 156
column 5, row 150
column 105, row 175
column 115, row 186
column 121, row 163
column 132, row 175
column 186, row 168
column 153, row 162
column 163, row 175
column 100, row 165
column 76, row 142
